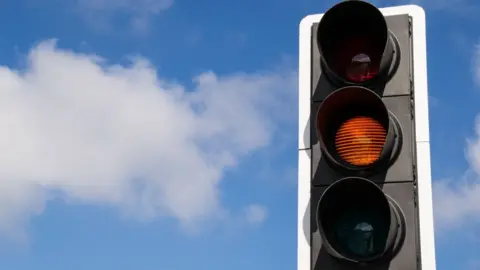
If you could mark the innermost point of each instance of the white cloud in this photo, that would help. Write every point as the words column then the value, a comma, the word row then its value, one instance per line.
column 139, row 11
column 476, row 65
column 141, row 6
column 457, row 201
column 119, row 136
column 255, row 214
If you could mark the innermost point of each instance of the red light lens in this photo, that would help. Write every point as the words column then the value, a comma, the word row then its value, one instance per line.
column 353, row 39
column 357, row 59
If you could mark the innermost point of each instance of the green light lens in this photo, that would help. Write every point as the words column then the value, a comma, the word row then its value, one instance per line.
column 361, row 233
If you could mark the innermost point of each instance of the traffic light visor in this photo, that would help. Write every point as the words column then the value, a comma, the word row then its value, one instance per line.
column 353, row 127
column 352, row 39
column 357, row 220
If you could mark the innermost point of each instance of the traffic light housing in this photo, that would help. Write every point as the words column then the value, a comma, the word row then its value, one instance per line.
column 364, row 166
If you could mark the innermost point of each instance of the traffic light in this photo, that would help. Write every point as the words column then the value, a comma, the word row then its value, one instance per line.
column 365, row 199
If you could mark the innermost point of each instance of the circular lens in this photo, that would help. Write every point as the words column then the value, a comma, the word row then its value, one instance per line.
column 360, row 68
column 356, row 220
column 361, row 233
column 355, row 61
column 359, row 141
column 353, row 39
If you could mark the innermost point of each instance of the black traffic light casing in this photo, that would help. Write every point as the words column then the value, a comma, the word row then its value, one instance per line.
column 388, row 186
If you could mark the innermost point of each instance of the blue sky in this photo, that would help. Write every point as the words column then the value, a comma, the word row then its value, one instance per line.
column 161, row 134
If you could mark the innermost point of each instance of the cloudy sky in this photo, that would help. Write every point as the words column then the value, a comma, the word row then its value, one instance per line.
column 161, row 134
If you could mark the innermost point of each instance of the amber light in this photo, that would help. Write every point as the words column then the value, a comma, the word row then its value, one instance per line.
column 359, row 140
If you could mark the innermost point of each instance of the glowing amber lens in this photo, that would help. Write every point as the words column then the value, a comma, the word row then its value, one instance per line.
column 359, row 140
